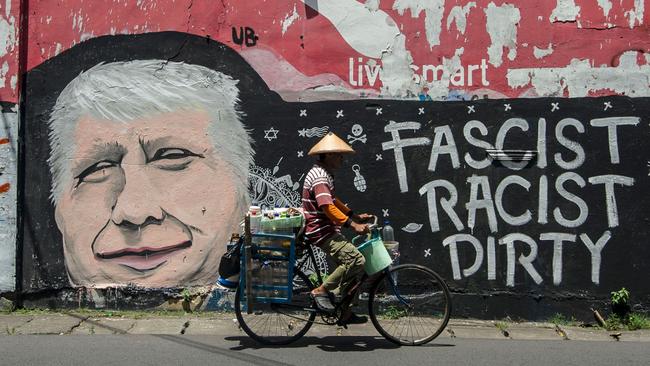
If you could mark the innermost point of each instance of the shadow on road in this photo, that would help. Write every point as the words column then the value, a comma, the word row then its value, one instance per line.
column 330, row 343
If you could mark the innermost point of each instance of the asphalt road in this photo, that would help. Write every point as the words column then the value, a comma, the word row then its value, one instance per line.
column 334, row 350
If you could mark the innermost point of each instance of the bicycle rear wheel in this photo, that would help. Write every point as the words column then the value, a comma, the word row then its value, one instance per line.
column 409, row 305
column 278, row 324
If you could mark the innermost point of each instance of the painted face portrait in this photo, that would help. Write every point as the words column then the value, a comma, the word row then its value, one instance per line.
column 149, row 164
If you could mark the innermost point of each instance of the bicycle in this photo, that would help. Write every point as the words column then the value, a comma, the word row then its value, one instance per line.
column 408, row 304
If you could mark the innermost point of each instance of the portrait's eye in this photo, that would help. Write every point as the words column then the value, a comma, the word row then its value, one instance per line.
column 173, row 158
column 96, row 173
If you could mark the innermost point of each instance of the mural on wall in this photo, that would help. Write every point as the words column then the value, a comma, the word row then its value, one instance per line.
column 503, row 141
column 8, row 155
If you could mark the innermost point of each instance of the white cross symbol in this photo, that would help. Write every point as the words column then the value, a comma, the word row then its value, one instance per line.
column 508, row 107
column 303, row 113
column 420, row 111
column 385, row 211
column 271, row 134
column 608, row 105
column 339, row 113
column 470, row 109
column 378, row 157
column 378, row 111
column 300, row 153
column 555, row 106
column 427, row 253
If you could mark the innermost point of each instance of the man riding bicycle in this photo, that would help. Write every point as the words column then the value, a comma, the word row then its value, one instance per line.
column 324, row 216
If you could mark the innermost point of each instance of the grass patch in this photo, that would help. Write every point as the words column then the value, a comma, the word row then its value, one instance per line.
column 632, row 321
column 561, row 319
column 393, row 312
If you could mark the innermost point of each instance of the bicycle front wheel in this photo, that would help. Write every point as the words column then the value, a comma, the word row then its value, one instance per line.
column 409, row 305
column 278, row 324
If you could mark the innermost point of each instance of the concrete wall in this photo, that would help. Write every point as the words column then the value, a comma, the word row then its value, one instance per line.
column 431, row 95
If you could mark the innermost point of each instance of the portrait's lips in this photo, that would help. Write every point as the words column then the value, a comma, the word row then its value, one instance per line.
column 144, row 258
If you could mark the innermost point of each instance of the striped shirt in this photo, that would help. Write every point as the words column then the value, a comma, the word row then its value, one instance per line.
column 318, row 190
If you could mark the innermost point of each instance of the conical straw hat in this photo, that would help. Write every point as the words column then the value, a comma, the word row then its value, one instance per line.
column 330, row 144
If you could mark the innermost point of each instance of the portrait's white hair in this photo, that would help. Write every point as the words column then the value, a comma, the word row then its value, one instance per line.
column 121, row 92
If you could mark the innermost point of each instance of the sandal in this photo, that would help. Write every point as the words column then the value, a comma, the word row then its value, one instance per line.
column 323, row 302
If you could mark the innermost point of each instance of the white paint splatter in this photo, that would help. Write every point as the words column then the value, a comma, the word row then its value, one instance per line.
column 565, row 11
column 289, row 19
column 458, row 14
column 542, row 52
column 606, row 5
column 502, row 28
column 579, row 78
column 355, row 22
column 433, row 10
column 636, row 15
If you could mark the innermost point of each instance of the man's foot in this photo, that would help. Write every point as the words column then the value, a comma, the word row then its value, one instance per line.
column 323, row 302
column 353, row 319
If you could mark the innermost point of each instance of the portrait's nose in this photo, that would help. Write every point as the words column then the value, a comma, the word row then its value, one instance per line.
column 136, row 204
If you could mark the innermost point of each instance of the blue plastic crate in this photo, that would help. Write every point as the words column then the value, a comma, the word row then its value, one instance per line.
column 279, row 252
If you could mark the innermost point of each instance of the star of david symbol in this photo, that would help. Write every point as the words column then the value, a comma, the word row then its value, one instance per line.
column 271, row 134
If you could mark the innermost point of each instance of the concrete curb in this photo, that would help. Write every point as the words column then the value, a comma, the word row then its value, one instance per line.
column 225, row 324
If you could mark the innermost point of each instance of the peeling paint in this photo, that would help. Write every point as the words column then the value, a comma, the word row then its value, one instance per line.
column 542, row 52
column 458, row 14
column 565, row 11
column 636, row 15
column 502, row 28
column 4, row 70
column 289, row 19
column 579, row 78
column 354, row 21
column 372, row 5
column 396, row 73
column 433, row 10
column 439, row 89
column 7, row 35
column 606, row 5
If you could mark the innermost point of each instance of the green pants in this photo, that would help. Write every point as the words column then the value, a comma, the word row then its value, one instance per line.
column 349, row 262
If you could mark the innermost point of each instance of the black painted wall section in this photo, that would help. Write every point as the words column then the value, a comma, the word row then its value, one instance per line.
column 522, row 271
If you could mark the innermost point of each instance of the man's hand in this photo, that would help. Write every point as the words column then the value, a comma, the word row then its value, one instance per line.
column 359, row 228
column 364, row 217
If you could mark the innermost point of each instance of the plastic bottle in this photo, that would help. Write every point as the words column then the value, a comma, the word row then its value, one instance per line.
column 387, row 233
column 266, row 275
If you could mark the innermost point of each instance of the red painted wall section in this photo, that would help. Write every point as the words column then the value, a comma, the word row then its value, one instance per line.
column 304, row 48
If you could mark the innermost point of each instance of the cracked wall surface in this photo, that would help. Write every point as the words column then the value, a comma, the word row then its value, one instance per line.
column 507, row 55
